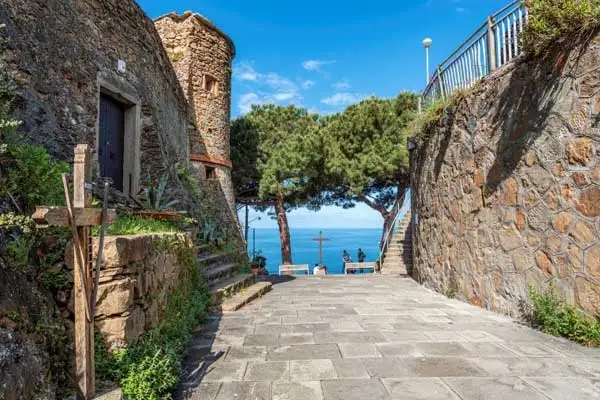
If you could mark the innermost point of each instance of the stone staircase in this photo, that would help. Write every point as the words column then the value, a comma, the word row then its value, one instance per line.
column 229, row 289
column 398, row 257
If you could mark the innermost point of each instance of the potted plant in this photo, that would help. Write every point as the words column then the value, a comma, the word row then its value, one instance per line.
column 258, row 266
column 158, row 204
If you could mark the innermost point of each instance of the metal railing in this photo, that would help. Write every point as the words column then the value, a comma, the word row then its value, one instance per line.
column 390, row 231
column 492, row 45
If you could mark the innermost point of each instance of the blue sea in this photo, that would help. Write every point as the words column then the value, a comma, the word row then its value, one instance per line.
column 306, row 251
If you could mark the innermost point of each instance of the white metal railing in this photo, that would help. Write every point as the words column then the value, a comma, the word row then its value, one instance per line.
column 390, row 231
column 492, row 45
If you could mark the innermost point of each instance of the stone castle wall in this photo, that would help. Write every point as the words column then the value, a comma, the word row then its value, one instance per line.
column 506, row 192
column 200, row 52
column 65, row 52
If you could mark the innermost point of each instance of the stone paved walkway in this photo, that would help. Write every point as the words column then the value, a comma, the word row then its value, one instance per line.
column 380, row 337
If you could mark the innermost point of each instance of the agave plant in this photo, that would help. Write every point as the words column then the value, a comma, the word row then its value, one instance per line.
column 213, row 233
column 155, row 194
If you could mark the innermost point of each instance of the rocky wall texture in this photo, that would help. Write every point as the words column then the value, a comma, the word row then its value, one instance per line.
column 506, row 191
column 61, row 50
column 139, row 274
column 200, row 53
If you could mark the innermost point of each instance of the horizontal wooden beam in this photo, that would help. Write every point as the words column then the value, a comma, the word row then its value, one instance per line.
column 59, row 216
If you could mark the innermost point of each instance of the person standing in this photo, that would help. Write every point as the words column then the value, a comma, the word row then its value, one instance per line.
column 361, row 256
column 346, row 259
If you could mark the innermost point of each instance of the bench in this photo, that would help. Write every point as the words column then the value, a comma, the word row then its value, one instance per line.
column 358, row 266
column 290, row 269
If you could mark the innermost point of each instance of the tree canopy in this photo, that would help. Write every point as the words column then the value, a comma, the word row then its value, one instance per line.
column 278, row 158
column 286, row 157
column 366, row 155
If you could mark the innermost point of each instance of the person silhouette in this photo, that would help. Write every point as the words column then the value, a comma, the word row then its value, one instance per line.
column 345, row 259
column 361, row 256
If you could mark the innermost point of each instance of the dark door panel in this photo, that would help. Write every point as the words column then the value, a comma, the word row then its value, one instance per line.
column 112, row 134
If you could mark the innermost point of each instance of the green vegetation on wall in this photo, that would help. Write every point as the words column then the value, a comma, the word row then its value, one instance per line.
column 150, row 368
column 134, row 225
column 555, row 317
column 553, row 21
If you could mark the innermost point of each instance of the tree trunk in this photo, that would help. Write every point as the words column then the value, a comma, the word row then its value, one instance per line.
column 284, row 231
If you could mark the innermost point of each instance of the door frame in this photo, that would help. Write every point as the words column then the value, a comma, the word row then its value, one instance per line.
column 131, row 135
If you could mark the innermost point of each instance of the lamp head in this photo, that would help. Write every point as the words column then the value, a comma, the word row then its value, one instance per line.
column 427, row 42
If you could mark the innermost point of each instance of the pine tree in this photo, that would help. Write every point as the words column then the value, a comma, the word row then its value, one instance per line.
column 277, row 154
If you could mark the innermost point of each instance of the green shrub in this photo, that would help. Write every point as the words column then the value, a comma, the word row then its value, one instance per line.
column 18, row 251
column 133, row 225
column 34, row 177
column 150, row 368
column 552, row 20
column 554, row 317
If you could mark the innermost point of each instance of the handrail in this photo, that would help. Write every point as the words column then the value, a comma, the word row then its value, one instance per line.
column 390, row 231
column 491, row 45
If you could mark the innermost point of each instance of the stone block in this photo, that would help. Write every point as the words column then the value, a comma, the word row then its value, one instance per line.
column 561, row 222
column 592, row 260
column 354, row 389
column 540, row 178
column 579, row 151
column 510, row 192
column 575, row 255
column 115, row 297
column 544, row 263
column 588, row 202
column 122, row 329
column 583, row 234
column 312, row 370
column 267, row 371
column 509, row 238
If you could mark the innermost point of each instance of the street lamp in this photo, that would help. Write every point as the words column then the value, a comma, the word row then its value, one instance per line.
column 427, row 44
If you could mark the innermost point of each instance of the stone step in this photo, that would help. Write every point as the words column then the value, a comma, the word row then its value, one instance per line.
column 214, row 273
column 209, row 258
column 245, row 296
column 228, row 287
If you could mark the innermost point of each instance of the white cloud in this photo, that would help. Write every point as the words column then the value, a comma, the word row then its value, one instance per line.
column 244, row 71
column 265, row 88
column 283, row 96
column 341, row 85
column 247, row 100
column 316, row 65
column 308, row 84
column 343, row 98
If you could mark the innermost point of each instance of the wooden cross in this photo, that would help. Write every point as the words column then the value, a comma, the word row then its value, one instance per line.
column 320, row 239
column 80, row 216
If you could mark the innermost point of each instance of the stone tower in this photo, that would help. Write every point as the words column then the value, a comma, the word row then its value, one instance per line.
column 202, row 57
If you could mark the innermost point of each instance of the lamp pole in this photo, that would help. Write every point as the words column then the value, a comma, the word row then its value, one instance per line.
column 427, row 44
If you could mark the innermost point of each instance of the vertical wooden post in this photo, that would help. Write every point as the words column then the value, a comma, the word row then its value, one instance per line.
column 491, row 45
column 84, row 328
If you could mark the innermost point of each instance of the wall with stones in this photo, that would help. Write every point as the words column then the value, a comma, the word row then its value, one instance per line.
column 200, row 51
column 61, row 50
column 506, row 191
column 138, row 276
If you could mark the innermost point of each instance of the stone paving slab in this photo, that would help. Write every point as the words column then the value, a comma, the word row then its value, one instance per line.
column 376, row 337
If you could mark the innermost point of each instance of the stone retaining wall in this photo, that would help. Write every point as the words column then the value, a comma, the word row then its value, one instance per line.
column 506, row 192
column 139, row 274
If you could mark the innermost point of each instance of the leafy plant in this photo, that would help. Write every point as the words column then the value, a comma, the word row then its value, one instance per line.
column 555, row 317
column 33, row 176
column 155, row 194
column 553, row 20
column 18, row 250
column 150, row 368
column 213, row 233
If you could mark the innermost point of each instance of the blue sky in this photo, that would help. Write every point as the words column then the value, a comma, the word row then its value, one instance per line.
column 326, row 54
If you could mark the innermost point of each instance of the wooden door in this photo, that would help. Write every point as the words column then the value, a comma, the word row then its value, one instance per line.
column 112, row 134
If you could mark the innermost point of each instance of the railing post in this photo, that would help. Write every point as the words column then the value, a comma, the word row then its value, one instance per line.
column 491, row 45
column 440, row 82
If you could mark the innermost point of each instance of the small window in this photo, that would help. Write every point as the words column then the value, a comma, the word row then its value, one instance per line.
column 210, row 84
column 211, row 173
